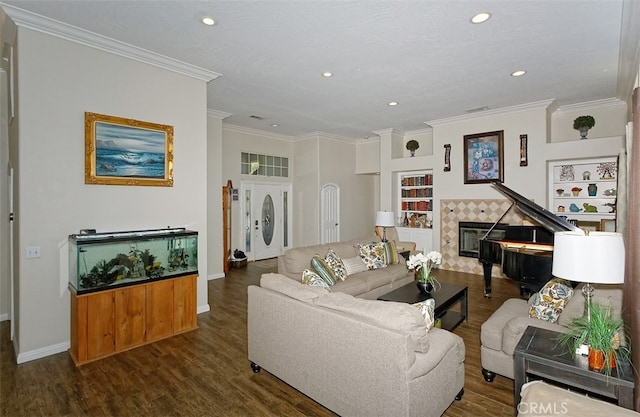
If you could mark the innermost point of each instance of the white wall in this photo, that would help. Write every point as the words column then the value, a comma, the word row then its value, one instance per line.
column 215, row 256
column 58, row 81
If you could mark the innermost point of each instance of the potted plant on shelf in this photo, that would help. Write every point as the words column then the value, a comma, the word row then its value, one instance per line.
column 422, row 265
column 583, row 124
column 603, row 334
column 412, row 145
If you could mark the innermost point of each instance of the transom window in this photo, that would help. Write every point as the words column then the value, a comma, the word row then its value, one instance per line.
column 266, row 165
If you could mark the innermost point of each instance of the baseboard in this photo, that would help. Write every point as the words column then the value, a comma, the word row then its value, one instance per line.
column 4, row 317
column 42, row 352
column 203, row 309
column 215, row 276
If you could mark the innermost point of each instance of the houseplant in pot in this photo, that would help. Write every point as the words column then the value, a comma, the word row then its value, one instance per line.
column 422, row 265
column 604, row 335
column 412, row 145
column 583, row 124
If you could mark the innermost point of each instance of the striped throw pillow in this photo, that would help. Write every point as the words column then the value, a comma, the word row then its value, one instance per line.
column 320, row 267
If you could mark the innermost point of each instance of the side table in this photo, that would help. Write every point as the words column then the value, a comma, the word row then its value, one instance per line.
column 540, row 355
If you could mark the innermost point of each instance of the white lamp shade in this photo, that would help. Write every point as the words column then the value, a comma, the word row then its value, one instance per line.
column 596, row 258
column 385, row 219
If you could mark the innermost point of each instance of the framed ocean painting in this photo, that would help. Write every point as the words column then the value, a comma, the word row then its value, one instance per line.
column 122, row 151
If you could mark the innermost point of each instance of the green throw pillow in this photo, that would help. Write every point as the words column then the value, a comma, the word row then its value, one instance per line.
column 320, row 267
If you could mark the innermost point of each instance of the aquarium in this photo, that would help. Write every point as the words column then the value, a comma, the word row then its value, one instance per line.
column 99, row 261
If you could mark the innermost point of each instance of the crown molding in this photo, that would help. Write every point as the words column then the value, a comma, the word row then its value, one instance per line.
column 52, row 27
column 590, row 105
column 256, row 132
column 218, row 114
column 543, row 104
column 324, row 135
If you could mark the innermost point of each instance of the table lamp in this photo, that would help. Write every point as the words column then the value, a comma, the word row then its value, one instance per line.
column 385, row 219
column 593, row 258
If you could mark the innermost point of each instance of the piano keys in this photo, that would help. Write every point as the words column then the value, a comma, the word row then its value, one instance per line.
column 526, row 252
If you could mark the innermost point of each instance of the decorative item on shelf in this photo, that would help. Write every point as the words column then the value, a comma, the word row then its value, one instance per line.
column 412, row 145
column 560, row 191
column 610, row 192
column 592, row 189
column 583, row 124
column 576, row 191
column 612, row 207
column 586, row 175
column 422, row 265
column 560, row 209
column 607, row 170
column 589, row 208
column 385, row 219
column 597, row 257
column 567, row 173
column 574, row 208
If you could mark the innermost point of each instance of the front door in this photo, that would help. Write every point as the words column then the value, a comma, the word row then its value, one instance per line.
column 267, row 205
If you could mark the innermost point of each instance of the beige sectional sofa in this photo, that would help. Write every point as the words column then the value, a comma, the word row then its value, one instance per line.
column 356, row 357
column 369, row 284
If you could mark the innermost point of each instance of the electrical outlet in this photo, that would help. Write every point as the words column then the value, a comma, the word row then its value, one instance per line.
column 32, row 252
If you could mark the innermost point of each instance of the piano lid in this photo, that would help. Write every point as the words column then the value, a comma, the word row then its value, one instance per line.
column 537, row 213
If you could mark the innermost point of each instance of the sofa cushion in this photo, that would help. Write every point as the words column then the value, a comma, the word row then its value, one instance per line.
column 427, row 309
column 548, row 303
column 354, row 265
column 492, row 329
column 391, row 253
column 373, row 254
column 335, row 263
column 320, row 267
column 290, row 287
column 314, row 280
column 386, row 314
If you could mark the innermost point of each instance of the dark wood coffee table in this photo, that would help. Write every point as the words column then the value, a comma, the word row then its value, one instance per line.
column 446, row 297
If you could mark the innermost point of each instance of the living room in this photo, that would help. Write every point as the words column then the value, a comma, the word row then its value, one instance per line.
column 57, row 80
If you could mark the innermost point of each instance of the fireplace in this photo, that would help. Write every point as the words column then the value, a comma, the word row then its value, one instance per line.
column 470, row 232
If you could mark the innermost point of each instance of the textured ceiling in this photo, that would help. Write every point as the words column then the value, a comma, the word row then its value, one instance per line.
column 426, row 55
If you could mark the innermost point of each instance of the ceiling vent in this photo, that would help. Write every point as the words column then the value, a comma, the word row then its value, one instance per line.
column 477, row 109
column 253, row 116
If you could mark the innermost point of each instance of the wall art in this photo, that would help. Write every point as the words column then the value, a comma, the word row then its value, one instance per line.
column 524, row 159
column 483, row 157
column 121, row 151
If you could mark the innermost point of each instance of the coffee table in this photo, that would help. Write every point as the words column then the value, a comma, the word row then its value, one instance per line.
column 446, row 297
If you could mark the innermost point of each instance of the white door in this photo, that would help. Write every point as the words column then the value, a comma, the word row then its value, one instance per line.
column 267, row 218
column 330, row 213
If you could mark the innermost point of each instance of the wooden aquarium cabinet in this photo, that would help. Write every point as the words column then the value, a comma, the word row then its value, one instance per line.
column 110, row 321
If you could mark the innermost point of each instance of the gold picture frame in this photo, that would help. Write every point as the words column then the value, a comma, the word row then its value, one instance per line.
column 589, row 226
column 121, row 151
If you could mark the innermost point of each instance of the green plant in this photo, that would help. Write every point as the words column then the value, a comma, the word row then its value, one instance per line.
column 584, row 121
column 412, row 145
column 601, row 332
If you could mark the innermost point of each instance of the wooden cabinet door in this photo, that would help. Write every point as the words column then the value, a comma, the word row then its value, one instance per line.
column 130, row 318
column 184, row 304
column 159, row 310
column 100, row 324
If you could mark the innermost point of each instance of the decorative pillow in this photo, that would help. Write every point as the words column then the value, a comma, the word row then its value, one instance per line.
column 373, row 255
column 320, row 267
column 427, row 308
column 548, row 303
column 335, row 263
column 391, row 252
column 354, row 265
column 314, row 280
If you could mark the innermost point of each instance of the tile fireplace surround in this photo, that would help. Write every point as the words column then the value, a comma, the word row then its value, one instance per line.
column 454, row 211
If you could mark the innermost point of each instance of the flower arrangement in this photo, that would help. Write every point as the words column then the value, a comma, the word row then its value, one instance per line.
column 423, row 264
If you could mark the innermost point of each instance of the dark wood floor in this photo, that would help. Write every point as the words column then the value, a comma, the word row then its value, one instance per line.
column 206, row 372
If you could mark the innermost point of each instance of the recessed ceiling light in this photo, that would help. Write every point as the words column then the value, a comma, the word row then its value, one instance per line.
column 327, row 74
column 393, row 103
column 480, row 17
column 518, row 73
column 208, row 21
column 274, row 125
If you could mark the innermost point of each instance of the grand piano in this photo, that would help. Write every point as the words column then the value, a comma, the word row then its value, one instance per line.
column 525, row 252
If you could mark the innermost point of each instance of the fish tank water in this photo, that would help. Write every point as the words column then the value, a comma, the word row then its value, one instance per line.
column 99, row 261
